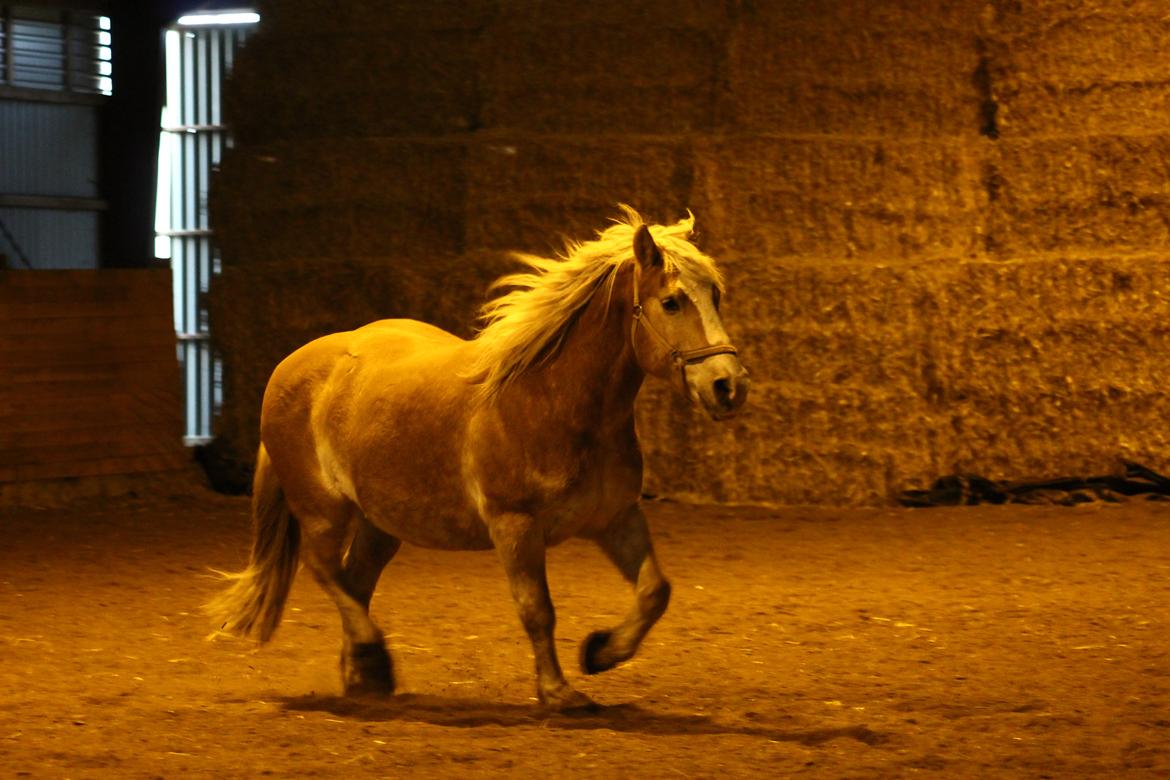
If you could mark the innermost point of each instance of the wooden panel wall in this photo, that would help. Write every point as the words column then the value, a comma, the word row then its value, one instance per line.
column 89, row 378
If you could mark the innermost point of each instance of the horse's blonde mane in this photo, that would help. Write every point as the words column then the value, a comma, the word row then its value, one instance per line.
column 527, row 324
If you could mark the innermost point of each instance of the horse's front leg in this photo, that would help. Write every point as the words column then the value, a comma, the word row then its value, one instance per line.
column 627, row 543
column 519, row 541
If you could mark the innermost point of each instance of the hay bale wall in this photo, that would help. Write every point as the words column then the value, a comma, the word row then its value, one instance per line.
column 946, row 229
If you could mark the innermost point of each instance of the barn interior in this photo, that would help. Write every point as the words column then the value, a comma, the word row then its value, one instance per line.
column 945, row 233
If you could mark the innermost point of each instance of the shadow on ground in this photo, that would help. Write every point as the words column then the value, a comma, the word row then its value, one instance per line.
column 473, row 713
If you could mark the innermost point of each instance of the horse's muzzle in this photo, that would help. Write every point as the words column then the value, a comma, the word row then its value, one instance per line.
column 719, row 384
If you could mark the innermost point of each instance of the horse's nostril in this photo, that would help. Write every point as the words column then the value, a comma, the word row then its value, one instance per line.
column 723, row 391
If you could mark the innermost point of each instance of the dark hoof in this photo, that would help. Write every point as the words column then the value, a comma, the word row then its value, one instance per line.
column 590, row 648
column 366, row 670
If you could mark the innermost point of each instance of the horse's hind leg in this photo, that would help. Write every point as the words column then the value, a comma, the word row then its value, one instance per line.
column 366, row 667
column 627, row 543
column 368, row 554
column 365, row 664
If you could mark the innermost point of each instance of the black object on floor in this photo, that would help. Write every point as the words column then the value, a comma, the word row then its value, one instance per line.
column 970, row 489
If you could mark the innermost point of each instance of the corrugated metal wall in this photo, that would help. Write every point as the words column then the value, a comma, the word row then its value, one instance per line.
column 51, row 238
column 48, row 149
column 53, row 67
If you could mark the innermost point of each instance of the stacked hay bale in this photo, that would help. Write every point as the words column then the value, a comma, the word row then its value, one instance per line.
column 945, row 229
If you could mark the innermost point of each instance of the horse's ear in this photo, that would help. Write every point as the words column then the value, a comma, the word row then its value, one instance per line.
column 648, row 254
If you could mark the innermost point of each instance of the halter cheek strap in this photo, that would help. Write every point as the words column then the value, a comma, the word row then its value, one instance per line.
column 680, row 357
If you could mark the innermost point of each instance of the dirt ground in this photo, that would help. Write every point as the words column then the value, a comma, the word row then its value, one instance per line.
column 989, row 642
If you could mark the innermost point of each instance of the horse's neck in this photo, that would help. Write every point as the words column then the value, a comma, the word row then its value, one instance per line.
column 592, row 380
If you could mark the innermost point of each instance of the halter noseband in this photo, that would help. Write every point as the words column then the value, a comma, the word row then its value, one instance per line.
column 680, row 357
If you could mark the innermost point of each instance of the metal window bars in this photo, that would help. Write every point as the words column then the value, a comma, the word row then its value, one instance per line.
column 54, row 49
column 198, row 59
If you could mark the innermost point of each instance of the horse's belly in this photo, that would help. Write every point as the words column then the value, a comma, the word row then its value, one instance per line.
column 588, row 519
column 590, row 505
column 432, row 527
column 421, row 500
column 575, row 493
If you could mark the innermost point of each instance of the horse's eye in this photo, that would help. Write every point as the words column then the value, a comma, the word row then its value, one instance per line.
column 670, row 305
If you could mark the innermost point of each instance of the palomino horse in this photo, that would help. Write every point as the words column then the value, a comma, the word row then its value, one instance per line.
column 517, row 439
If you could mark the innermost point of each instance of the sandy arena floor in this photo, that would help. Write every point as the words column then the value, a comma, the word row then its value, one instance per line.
column 978, row 642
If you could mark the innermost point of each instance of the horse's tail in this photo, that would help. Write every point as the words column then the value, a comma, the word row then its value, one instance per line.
column 253, row 603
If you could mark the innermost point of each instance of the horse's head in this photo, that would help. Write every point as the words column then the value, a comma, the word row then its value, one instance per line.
column 677, row 333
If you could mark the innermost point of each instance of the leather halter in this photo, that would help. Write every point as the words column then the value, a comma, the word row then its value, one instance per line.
column 680, row 357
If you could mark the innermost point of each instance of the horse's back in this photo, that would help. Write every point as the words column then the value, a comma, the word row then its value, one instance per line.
column 404, row 332
column 368, row 363
column 385, row 341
